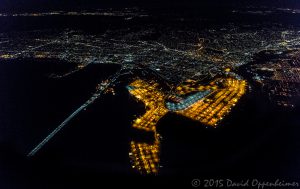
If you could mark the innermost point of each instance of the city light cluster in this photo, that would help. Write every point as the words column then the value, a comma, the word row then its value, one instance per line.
column 214, row 107
column 153, row 99
column 208, row 106
column 145, row 157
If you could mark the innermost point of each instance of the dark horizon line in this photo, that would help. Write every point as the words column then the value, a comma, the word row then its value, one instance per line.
column 52, row 5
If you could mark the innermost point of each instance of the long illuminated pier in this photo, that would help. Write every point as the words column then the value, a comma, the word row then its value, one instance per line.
column 90, row 101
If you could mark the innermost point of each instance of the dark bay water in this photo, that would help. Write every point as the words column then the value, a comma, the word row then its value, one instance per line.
column 256, row 139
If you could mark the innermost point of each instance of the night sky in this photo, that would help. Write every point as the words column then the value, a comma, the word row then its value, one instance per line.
column 40, row 5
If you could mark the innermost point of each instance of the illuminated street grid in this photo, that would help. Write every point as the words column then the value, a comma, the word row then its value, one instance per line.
column 175, row 55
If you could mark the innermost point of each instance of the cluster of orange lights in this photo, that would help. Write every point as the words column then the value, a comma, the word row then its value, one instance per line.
column 145, row 157
column 191, row 86
column 224, row 94
column 153, row 99
column 214, row 107
column 6, row 56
